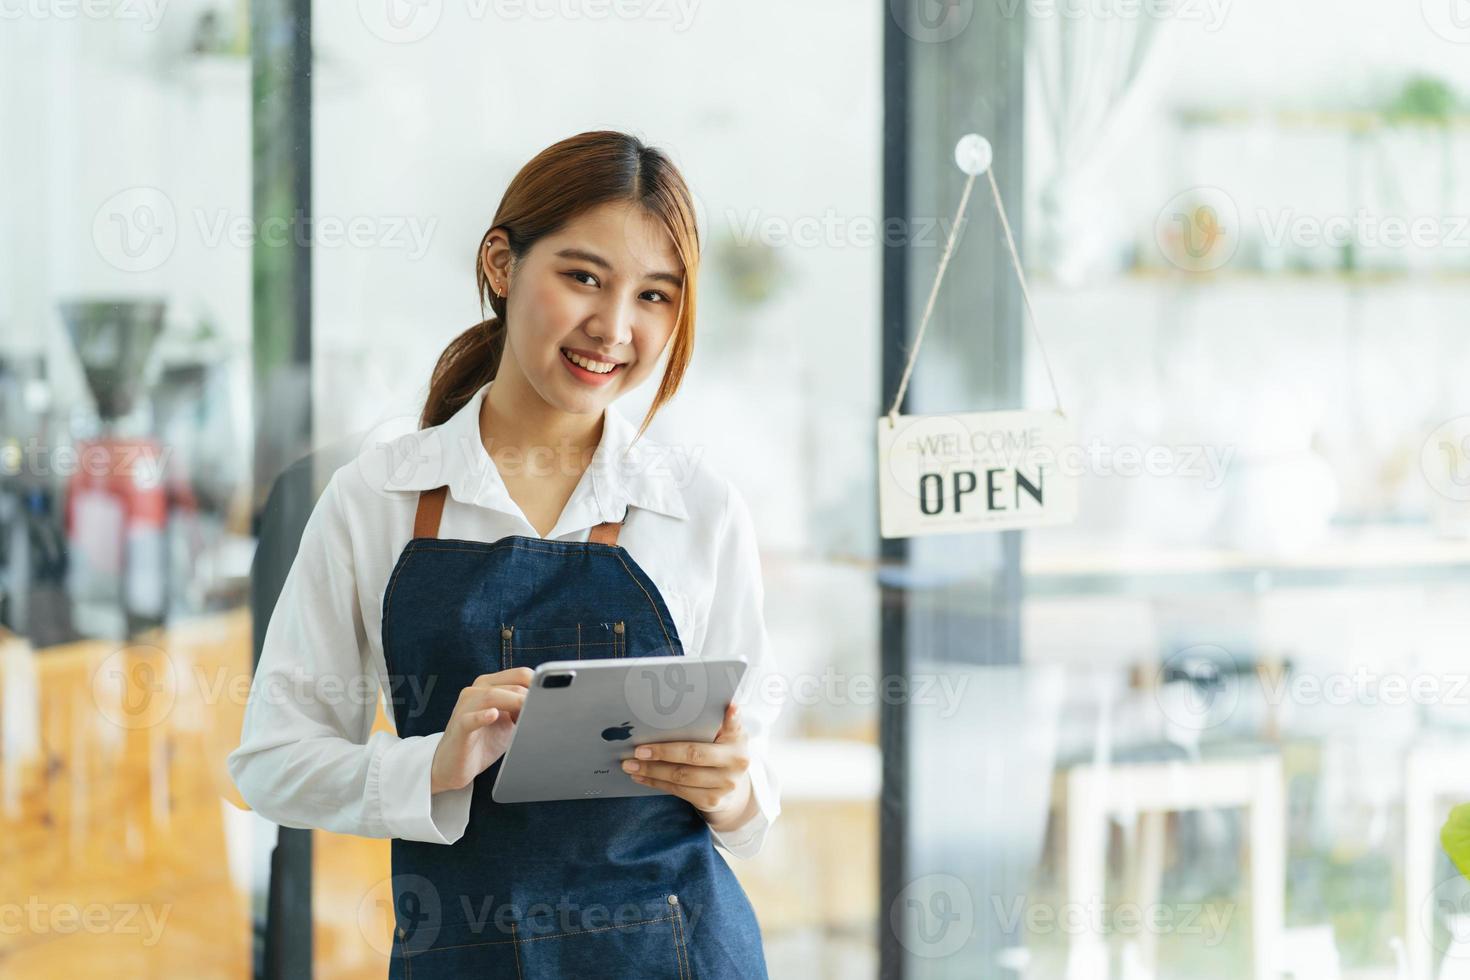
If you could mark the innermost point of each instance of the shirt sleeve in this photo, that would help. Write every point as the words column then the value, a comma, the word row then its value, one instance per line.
column 308, row 757
column 736, row 628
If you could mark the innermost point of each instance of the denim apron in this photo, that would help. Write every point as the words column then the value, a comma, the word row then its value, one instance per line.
column 615, row 888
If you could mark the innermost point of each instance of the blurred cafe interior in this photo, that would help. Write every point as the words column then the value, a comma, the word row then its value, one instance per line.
column 1209, row 729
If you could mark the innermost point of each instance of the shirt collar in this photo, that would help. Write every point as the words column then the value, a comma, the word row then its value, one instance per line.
column 622, row 473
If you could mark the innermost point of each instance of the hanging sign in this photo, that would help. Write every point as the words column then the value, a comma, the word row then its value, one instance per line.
column 976, row 471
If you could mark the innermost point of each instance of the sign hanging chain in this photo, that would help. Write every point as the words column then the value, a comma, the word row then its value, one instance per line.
column 939, row 276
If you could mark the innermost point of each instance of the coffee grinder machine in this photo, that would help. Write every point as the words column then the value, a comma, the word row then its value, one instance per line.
column 116, row 507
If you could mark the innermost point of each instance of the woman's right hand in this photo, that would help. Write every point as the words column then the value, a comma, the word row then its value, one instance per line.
column 479, row 728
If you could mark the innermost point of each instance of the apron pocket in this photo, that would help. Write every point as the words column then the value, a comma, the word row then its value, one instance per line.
column 461, row 949
column 531, row 646
column 622, row 941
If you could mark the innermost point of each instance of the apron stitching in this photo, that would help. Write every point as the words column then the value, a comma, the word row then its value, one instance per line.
column 562, row 646
column 497, row 545
column 588, row 932
column 515, row 948
column 397, row 574
column 615, row 549
column 653, row 605
column 515, row 936
column 579, row 641
column 488, row 942
column 679, row 946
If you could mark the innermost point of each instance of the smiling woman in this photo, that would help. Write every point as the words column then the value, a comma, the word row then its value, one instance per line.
column 592, row 229
column 527, row 521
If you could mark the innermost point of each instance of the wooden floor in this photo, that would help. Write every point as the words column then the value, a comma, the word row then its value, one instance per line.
column 118, row 820
column 112, row 831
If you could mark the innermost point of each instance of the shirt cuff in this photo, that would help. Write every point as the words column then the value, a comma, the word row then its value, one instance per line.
column 745, row 841
column 409, row 810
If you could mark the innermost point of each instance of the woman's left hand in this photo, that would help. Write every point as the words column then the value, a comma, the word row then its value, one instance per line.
column 712, row 776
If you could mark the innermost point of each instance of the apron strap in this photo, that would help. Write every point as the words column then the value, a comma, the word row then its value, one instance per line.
column 607, row 531
column 431, row 508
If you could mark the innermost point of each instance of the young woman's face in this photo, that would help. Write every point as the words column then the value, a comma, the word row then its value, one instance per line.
column 591, row 307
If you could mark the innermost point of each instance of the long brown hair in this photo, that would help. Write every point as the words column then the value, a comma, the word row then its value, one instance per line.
column 555, row 186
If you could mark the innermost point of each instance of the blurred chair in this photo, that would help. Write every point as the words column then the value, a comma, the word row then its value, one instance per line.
column 1153, row 767
column 1151, row 791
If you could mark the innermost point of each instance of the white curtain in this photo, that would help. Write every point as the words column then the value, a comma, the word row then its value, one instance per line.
column 1086, row 68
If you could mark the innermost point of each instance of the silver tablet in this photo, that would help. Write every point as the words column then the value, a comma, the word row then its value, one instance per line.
column 582, row 718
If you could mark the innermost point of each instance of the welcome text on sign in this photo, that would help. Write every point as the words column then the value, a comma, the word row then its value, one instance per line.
column 1006, row 488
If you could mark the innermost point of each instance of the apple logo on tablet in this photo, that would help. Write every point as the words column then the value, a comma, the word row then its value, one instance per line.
column 618, row 733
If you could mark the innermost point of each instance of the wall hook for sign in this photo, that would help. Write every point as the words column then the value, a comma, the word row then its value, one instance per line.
column 973, row 155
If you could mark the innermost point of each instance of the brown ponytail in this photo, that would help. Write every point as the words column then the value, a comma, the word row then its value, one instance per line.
column 558, row 184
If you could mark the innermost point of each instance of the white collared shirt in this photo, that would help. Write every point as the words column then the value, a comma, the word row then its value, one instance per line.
column 308, row 756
